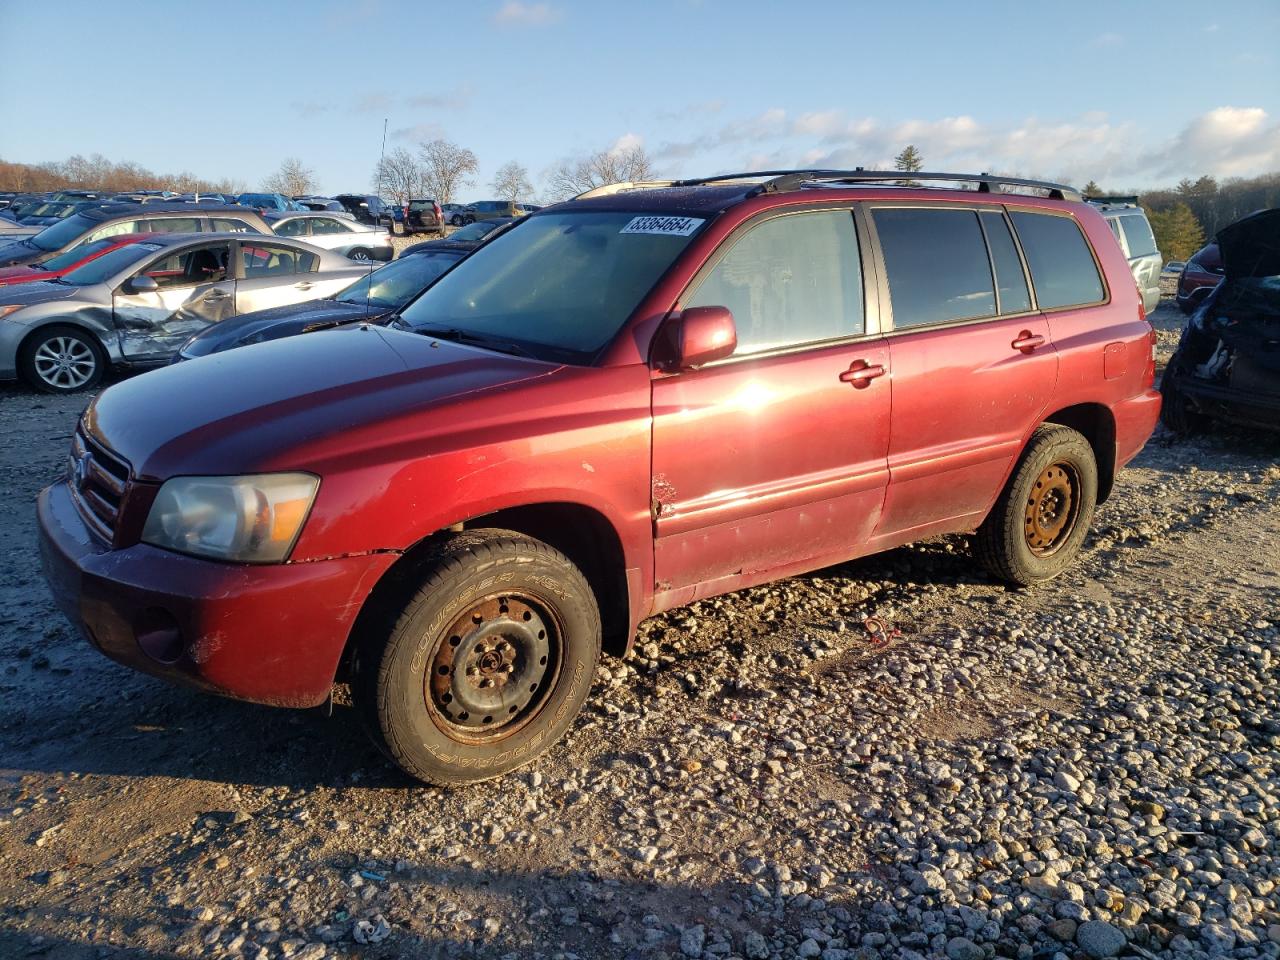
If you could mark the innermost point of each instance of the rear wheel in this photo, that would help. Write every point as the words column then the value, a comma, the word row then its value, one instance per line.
column 486, row 665
column 360, row 254
column 59, row 359
column 1041, row 519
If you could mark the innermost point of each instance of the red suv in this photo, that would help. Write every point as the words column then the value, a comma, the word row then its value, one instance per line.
column 622, row 404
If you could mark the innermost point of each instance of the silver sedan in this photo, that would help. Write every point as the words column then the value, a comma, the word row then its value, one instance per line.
column 339, row 232
column 133, row 307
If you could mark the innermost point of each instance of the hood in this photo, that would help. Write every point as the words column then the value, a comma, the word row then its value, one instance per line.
column 1251, row 247
column 300, row 403
column 271, row 324
column 43, row 291
column 15, row 252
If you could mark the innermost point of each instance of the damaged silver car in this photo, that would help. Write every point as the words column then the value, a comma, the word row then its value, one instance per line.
column 1227, row 365
column 133, row 307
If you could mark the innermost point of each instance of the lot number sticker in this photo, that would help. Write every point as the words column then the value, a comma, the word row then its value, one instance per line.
column 665, row 226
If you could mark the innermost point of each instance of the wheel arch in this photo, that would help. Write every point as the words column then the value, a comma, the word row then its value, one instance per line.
column 582, row 533
column 1097, row 424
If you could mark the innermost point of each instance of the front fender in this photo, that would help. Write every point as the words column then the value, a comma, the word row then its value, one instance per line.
column 92, row 318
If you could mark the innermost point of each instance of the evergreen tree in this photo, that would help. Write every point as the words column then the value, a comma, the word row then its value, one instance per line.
column 909, row 160
column 1178, row 232
column 1091, row 189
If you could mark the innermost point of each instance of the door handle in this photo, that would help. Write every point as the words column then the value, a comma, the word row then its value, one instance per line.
column 302, row 285
column 1027, row 341
column 861, row 373
column 218, row 295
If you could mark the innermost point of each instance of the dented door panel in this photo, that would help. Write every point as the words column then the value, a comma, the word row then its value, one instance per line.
column 158, row 323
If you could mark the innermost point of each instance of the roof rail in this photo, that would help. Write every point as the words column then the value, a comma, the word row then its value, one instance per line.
column 779, row 181
column 608, row 189
column 1113, row 199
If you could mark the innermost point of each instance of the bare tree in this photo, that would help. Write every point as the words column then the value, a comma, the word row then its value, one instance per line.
column 292, row 179
column 572, row 177
column 511, row 182
column 399, row 176
column 446, row 167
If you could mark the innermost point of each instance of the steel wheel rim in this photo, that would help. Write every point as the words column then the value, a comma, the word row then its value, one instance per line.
column 66, row 362
column 1053, row 505
column 494, row 669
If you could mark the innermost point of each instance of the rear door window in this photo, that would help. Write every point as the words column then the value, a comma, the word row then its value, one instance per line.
column 326, row 225
column 937, row 265
column 1011, row 283
column 268, row 260
column 230, row 225
column 292, row 228
column 174, row 225
column 1063, row 271
column 790, row 280
column 116, row 229
column 1137, row 232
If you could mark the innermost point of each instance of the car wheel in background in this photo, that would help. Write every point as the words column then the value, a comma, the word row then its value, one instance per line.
column 58, row 359
column 468, row 219
column 1176, row 412
column 456, row 220
column 359, row 253
column 482, row 662
column 1037, row 525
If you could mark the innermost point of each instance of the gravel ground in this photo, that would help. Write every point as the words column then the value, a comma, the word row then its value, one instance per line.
column 1085, row 769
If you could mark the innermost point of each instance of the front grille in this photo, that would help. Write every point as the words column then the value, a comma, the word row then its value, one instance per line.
column 98, row 480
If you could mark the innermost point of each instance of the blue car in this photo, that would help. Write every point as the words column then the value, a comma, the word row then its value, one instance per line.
column 270, row 201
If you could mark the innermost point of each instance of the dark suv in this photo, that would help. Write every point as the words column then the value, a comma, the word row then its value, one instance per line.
column 619, row 405
column 112, row 219
column 423, row 216
column 369, row 209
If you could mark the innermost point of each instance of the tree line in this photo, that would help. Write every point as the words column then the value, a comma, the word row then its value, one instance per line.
column 97, row 172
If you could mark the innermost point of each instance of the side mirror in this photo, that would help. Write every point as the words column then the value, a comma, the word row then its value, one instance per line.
column 702, row 335
column 142, row 284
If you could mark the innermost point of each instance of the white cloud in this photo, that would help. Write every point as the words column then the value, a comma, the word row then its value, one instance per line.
column 418, row 133
column 626, row 143
column 1227, row 141
column 515, row 13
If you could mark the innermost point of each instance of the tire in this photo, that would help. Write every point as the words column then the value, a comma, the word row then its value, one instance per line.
column 1038, row 524
column 468, row 219
column 456, row 220
column 522, row 619
column 360, row 254
column 62, row 359
column 1176, row 412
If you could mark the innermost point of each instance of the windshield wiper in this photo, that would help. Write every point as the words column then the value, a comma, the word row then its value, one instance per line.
column 474, row 339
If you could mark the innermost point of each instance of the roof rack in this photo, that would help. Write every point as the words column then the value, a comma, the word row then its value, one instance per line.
column 1126, row 201
column 779, row 181
column 608, row 189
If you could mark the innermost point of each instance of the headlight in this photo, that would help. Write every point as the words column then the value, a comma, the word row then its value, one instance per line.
column 251, row 519
column 12, row 308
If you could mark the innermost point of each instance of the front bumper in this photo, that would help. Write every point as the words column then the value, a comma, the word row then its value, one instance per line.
column 270, row 634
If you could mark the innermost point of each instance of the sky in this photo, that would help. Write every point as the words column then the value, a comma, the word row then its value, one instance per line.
column 1128, row 94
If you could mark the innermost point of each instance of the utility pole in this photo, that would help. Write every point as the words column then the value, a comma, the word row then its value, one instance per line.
column 382, row 157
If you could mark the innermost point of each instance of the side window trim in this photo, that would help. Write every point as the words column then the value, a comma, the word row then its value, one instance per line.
column 1022, row 260
column 871, row 299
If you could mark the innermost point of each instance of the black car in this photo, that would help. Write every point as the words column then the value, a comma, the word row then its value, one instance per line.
column 372, row 298
column 466, row 238
column 1227, row 365
column 369, row 209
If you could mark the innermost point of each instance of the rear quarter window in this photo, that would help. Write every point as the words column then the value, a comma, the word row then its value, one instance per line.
column 1063, row 270
column 1138, row 235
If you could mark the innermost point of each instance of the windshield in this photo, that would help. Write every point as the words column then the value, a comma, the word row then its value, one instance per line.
column 58, row 235
column 474, row 231
column 63, row 260
column 109, row 264
column 393, row 285
column 559, row 285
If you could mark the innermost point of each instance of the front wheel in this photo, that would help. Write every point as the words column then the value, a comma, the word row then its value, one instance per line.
column 1039, row 522
column 59, row 359
column 456, row 220
column 486, row 665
